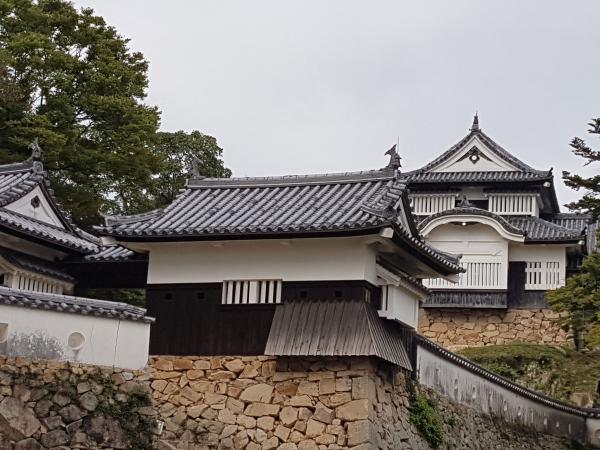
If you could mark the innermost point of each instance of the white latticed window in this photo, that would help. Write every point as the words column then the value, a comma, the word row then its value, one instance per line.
column 542, row 275
column 514, row 204
column 37, row 284
column 251, row 292
column 478, row 275
column 427, row 204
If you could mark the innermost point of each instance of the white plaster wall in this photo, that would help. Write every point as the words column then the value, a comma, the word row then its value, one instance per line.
column 543, row 253
column 43, row 334
column 465, row 387
column 43, row 213
column 493, row 164
column 288, row 260
column 403, row 306
column 477, row 243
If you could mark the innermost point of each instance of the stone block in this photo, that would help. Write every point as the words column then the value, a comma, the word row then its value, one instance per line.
column 358, row 432
column 300, row 400
column 353, row 410
column 261, row 409
column 235, row 365
column 282, row 432
column 327, row 386
column 258, row 393
column 183, row 364
column 323, row 414
column 308, row 388
column 271, row 443
column 248, row 422
column 265, row 423
column 288, row 415
column 314, row 428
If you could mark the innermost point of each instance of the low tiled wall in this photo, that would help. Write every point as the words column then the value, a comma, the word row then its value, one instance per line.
column 455, row 328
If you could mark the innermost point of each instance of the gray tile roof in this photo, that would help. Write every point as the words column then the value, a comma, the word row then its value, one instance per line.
column 42, row 230
column 72, row 304
column 532, row 228
column 311, row 204
column 33, row 264
column 537, row 229
column 266, row 205
column 17, row 180
column 334, row 328
column 466, row 299
column 416, row 177
column 112, row 253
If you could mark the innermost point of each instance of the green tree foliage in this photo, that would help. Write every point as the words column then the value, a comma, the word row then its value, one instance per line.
column 579, row 297
column 182, row 154
column 69, row 79
column 74, row 83
column 591, row 186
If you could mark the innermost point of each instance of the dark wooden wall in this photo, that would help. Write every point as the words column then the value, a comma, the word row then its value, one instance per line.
column 518, row 297
column 190, row 319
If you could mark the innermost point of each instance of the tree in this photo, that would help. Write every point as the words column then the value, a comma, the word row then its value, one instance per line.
column 591, row 198
column 70, row 79
column 181, row 154
column 579, row 298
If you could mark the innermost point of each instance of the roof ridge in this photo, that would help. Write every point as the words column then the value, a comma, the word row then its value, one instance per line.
column 22, row 166
column 72, row 304
column 357, row 176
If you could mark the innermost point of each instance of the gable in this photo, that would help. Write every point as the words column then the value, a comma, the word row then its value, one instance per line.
column 35, row 205
column 475, row 156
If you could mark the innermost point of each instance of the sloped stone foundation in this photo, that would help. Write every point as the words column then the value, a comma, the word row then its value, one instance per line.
column 456, row 328
column 258, row 402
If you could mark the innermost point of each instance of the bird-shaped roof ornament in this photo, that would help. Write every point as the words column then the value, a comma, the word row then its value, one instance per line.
column 394, row 158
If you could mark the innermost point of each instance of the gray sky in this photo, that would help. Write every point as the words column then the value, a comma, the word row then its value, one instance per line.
column 291, row 87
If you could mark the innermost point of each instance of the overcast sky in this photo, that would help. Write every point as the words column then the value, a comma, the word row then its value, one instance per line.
column 292, row 87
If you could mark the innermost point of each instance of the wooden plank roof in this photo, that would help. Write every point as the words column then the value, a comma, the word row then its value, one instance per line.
column 334, row 328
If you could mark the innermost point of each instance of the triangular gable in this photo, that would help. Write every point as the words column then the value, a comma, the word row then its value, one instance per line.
column 475, row 156
column 36, row 205
column 477, row 152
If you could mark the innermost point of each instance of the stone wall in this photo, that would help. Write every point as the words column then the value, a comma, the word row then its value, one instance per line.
column 457, row 328
column 263, row 403
column 256, row 403
column 62, row 405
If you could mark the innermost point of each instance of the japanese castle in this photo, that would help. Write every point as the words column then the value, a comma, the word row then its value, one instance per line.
column 249, row 265
column 503, row 217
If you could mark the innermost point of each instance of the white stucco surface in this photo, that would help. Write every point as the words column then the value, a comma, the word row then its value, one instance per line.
column 43, row 334
column 489, row 162
column 42, row 213
column 466, row 387
column 287, row 260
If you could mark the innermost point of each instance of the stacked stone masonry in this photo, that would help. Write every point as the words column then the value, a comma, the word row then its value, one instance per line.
column 477, row 327
column 256, row 403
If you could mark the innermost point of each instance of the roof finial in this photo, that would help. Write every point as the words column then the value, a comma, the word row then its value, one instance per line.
column 36, row 156
column 475, row 126
column 394, row 158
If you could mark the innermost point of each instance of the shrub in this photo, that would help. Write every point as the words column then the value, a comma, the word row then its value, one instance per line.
column 425, row 417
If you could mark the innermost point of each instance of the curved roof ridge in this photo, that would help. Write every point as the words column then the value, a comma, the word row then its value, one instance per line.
column 473, row 211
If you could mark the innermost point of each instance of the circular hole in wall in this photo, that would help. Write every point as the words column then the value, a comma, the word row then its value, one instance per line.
column 76, row 340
